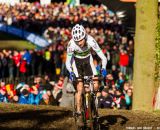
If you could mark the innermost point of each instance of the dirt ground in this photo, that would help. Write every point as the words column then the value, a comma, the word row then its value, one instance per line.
column 28, row 117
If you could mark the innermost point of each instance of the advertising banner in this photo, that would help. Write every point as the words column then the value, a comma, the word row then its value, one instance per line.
column 35, row 39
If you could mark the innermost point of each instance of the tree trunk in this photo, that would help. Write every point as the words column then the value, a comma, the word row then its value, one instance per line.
column 144, row 62
column 157, row 100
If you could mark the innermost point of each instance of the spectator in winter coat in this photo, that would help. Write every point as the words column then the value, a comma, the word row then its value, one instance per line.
column 23, row 69
column 57, row 94
column 128, row 98
column 24, row 97
column 63, row 69
column 10, row 91
column 3, row 95
column 115, row 56
column 11, row 94
column 109, row 80
column 47, row 61
column 115, row 72
column 121, row 80
column 47, row 98
column 123, row 61
column 11, row 68
column 119, row 100
column 16, row 58
column 27, row 56
column 126, row 87
column 105, row 100
column 34, row 96
column 19, row 87
column 4, row 66
column 68, row 94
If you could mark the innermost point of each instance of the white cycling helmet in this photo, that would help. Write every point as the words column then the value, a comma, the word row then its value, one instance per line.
column 78, row 32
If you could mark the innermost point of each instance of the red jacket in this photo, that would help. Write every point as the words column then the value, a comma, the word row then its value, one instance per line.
column 23, row 68
column 17, row 59
column 123, row 59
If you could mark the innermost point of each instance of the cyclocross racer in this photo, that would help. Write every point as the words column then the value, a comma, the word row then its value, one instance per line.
column 80, row 61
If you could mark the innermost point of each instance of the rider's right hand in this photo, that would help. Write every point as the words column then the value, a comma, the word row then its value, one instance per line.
column 72, row 76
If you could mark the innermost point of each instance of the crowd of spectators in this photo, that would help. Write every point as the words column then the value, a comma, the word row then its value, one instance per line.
column 32, row 16
column 39, row 91
column 114, row 94
column 23, row 64
column 39, row 76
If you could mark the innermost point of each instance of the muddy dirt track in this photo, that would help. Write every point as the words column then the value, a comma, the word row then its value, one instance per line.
column 28, row 117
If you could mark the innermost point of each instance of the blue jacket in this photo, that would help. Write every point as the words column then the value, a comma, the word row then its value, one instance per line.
column 23, row 99
column 34, row 99
column 27, row 57
column 3, row 98
column 105, row 102
column 128, row 100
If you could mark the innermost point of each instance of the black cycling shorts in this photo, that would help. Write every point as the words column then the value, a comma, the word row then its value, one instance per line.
column 83, row 67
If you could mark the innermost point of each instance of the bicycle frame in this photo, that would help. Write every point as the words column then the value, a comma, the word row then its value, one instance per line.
column 89, row 105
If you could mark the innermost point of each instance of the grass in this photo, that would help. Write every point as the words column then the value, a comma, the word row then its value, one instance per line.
column 16, row 44
column 8, row 41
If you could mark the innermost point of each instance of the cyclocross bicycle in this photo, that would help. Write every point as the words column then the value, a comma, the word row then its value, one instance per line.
column 89, row 106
